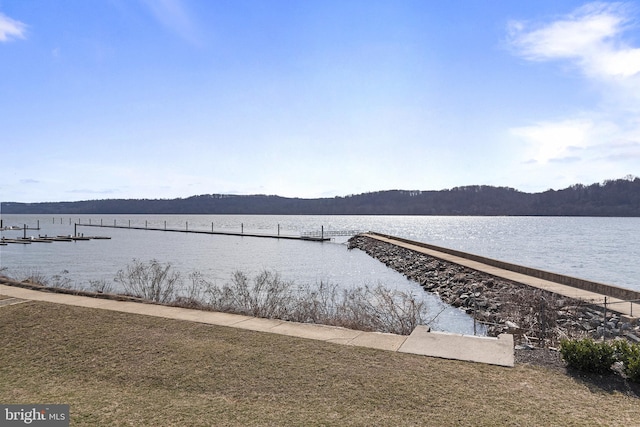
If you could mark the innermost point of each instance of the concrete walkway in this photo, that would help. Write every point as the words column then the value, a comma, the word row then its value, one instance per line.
column 613, row 304
column 495, row 351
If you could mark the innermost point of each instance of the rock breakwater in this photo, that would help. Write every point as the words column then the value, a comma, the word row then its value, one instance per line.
column 535, row 317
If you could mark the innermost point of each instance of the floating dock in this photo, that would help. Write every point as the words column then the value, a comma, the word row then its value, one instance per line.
column 311, row 238
column 25, row 240
column 40, row 239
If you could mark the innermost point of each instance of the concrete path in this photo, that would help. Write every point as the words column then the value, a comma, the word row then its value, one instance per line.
column 495, row 351
column 613, row 304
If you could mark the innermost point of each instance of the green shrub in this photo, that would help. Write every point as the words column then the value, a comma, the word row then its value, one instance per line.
column 632, row 369
column 587, row 355
column 629, row 355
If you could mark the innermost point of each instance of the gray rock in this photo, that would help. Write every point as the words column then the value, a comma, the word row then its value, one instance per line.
column 632, row 337
column 511, row 325
column 524, row 346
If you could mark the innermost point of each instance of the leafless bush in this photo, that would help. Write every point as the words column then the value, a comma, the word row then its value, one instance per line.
column 59, row 280
column 315, row 304
column 36, row 277
column 101, row 286
column 195, row 293
column 542, row 316
column 266, row 296
column 364, row 308
column 153, row 280
column 380, row 309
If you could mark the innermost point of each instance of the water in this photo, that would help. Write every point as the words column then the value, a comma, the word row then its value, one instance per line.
column 600, row 249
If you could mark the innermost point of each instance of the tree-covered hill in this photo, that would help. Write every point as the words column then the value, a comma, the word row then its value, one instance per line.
column 610, row 198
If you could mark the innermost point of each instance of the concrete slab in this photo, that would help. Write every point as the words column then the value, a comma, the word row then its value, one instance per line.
column 259, row 325
column 494, row 351
column 315, row 332
column 378, row 340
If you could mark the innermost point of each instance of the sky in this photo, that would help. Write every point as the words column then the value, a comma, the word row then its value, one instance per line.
column 109, row 99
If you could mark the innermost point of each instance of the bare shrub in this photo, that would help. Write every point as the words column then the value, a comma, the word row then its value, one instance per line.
column 381, row 309
column 364, row 308
column 153, row 280
column 315, row 304
column 267, row 295
column 541, row 316
column 36, row 277
column 59, row 280
column 101, row 286
column 195, row 293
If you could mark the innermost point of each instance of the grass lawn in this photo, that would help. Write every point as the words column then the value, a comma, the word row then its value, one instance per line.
column 123, row 369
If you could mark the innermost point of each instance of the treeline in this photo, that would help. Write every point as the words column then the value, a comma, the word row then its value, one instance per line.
column 610, row 198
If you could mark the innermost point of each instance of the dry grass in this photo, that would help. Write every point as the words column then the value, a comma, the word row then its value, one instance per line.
column 122, row 369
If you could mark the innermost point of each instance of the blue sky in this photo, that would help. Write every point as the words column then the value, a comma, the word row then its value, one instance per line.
column 171, row 98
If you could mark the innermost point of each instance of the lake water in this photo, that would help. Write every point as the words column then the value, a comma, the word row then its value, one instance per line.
column 599, row 249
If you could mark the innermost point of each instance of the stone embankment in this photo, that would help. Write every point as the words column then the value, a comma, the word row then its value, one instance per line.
column 535, row 317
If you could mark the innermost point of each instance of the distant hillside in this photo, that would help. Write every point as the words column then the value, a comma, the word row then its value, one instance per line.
column 611, row 198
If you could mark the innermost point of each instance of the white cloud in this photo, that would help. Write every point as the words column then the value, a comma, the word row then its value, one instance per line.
column 586, row 140
column 550, row 141
column 591, row 36
column 587, row 144
column 10, row 28
column 173, row 15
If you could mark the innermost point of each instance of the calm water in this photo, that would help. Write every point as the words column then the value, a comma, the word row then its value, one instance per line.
column 600, row 249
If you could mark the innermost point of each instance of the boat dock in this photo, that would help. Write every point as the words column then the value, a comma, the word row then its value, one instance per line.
column 315, row 237
column 44, row 239
column 26, row 240
column 320, row 235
